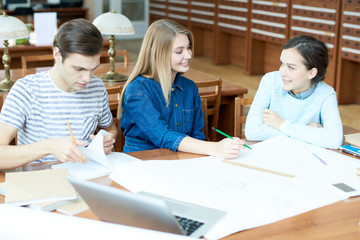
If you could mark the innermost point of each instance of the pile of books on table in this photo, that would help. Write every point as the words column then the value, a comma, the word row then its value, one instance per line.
column 354, row 144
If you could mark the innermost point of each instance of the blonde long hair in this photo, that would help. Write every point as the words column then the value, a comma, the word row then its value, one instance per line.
column 155, row 55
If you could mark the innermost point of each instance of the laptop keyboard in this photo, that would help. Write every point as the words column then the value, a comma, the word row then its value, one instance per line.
column 188, row 225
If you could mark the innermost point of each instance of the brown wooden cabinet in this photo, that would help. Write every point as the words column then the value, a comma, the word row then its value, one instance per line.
column 268, row 30
column 348, row 66
column 66, row 14
column 63, row 14
column 319, row 19
column 250, row 33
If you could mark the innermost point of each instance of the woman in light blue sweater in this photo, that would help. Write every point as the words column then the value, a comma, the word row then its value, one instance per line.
column 295, row 101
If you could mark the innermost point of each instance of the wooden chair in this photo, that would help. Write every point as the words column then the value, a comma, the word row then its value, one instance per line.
column 240, row 117
column 114, row 98
column 37, row 61
column 211, row 91
column 104, row 56
column 205, row 115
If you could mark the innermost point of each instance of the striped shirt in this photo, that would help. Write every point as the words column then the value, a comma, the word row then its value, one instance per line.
column 40, row 110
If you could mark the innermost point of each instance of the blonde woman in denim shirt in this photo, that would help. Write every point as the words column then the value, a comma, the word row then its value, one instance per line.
column 160, row 108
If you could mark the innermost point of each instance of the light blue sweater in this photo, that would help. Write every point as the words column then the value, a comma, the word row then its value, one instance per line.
column 320, row 107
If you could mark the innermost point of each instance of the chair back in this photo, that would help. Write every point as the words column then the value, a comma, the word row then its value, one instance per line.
column 114, row 99
column 46, row 60
column 240, row 117
column 205, row 115
column 105, row 58
column 211, row 91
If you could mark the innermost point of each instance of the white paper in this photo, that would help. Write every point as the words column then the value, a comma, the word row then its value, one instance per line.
column 291, row 156
column 99, row 164
column 17, row 223
column 251, row 198
column 45, row 28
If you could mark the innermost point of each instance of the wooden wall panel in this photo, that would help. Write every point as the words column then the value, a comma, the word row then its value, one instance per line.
column 250, row 33
column 319, row 19
column 269, row 27
column 348, row 69
column 232, row 32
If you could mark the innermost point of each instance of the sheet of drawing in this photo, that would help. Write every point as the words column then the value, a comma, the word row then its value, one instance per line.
column 287, row 155
column 118, row 159
column 251, row 198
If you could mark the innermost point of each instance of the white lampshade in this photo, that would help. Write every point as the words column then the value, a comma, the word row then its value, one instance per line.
column 12, row 28
column 113, row 23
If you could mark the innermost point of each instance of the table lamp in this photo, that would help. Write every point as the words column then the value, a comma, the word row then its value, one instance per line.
column 10, row 28
column 113, row 23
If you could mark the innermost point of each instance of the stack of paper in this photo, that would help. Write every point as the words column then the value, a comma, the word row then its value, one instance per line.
column 353, row 139
column 99, row 164
column 31, row 187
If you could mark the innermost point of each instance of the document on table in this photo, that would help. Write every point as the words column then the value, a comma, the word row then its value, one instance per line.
column 250, row 197
column 99, row 164
column 57, row 226
column 307, row 162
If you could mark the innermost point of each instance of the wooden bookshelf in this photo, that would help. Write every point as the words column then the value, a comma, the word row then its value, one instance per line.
column 348, row 65
column 250, row 33
column 319, row 19
column 269, row 27
column 231, row 34
column 202, row 24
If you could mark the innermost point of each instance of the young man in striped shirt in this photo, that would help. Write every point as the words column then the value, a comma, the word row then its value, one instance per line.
column 39, row 105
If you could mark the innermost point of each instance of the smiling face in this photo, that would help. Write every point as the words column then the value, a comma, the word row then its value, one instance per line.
column 75, row 71
column 295, row 76
column 180, row 55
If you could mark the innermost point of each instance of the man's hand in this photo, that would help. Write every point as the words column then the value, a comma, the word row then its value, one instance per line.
column 65, row 150
column 108, row 142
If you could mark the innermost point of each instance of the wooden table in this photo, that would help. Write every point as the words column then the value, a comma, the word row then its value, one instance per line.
column 335, row 221
column 228, row 93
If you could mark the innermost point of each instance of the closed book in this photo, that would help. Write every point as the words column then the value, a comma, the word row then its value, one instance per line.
column 353, row 139
column 351, row 149
column 29, row 187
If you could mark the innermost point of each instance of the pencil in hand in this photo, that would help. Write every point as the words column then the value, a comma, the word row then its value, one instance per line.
column 217, row 130
column 73, row 138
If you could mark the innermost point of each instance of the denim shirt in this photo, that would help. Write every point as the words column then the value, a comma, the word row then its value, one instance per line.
column 147, row 123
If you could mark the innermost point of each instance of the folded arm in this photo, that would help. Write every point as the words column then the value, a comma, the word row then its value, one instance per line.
column 330, row 135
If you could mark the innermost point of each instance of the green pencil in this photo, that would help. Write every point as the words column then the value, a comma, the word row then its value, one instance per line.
column 217, row 130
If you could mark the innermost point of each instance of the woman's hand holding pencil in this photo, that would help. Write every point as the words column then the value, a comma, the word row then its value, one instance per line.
column 224, row 134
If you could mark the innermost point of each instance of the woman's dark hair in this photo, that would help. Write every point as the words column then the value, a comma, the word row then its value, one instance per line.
column 78, row 36
column 314, row 52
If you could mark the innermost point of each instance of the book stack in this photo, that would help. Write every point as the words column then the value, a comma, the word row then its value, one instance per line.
column 354, row 144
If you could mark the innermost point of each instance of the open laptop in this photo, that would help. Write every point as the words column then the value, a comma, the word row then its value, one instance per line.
column 146, row 210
